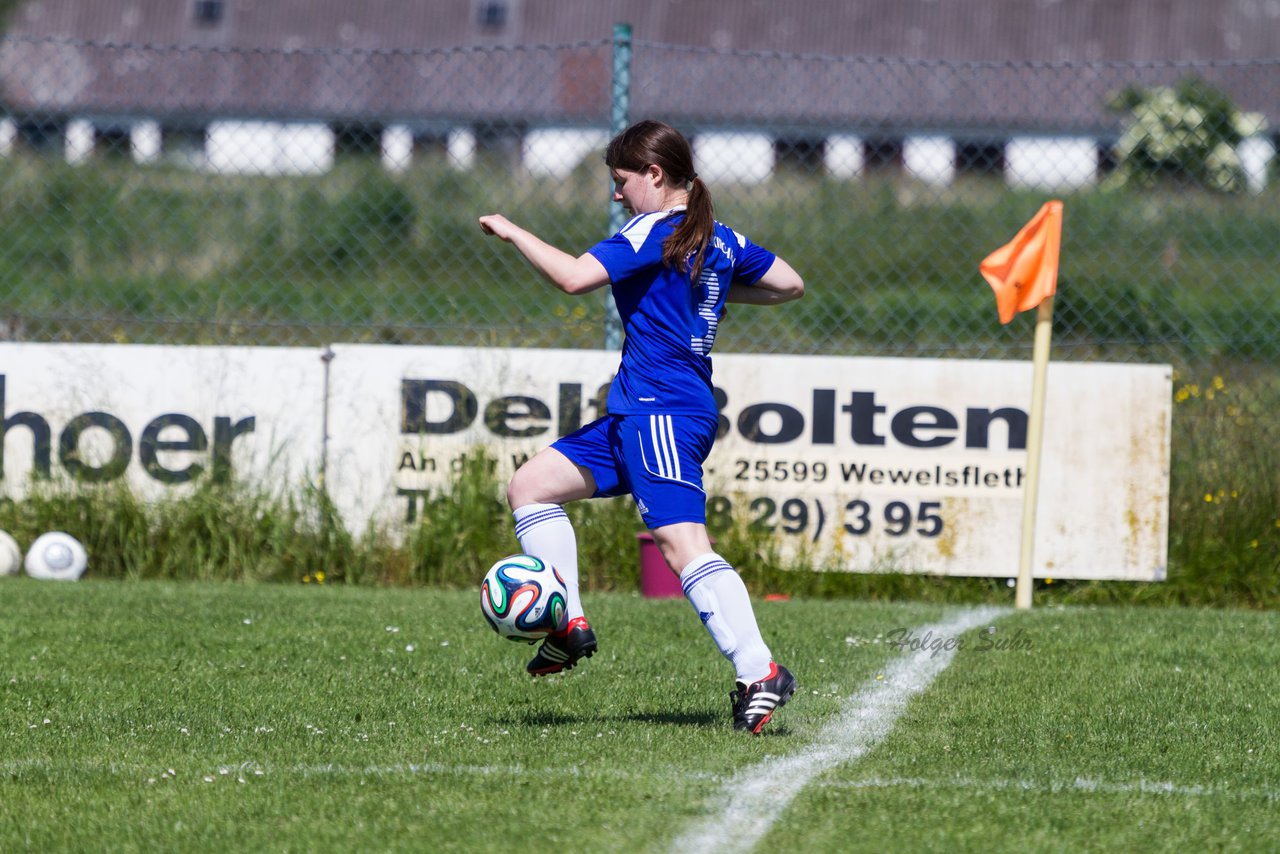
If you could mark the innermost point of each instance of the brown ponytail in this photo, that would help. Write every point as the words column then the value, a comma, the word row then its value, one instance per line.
column 651, row 142
column 688, row 243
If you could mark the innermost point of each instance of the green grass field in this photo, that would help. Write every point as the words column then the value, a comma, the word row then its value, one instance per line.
column 145, row 716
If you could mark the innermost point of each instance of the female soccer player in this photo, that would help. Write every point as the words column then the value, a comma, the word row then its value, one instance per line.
column 672, row 268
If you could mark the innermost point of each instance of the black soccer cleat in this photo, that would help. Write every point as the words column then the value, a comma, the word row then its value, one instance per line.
column 754, row 704
column 563, row 649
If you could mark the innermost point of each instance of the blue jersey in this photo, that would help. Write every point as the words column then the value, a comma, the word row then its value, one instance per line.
column 670, row 324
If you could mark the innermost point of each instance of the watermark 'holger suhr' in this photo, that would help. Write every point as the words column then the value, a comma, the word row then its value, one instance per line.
column 987, row 640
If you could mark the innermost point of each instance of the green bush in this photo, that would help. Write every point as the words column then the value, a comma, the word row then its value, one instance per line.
column 1188, row 133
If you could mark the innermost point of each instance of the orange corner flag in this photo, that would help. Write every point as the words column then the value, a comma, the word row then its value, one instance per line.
column 1024, row 272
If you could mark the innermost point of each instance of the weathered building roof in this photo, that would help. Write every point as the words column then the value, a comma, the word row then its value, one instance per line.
column 998, row 30
column 948, row 65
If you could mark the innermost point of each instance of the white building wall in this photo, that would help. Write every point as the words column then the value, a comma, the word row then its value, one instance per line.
column 843, row 157
column 1051, row 163
column 556, row 152
column 1256, row 154
column 931, row 159
column 397, row 148
column 270, row 148
column 145, row 142
column 733, row 158
column 77, row 144
column 461, row 146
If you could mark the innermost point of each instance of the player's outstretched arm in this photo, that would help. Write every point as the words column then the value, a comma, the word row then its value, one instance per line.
column 571, row 275
column 779, row 284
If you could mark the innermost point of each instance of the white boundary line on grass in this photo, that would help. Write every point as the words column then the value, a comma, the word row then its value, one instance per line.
column 755, row 797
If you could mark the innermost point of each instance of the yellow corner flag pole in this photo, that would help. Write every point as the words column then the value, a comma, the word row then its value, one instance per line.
column 1035, row 435
column 1024, row 275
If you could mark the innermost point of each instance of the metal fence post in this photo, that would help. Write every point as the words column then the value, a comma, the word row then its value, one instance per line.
column 620, row 99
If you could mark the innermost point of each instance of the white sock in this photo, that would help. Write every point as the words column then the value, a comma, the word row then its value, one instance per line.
column 717, row 593
column 544, row 531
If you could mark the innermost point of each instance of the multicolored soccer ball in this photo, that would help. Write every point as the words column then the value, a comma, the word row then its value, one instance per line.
column 524, row 599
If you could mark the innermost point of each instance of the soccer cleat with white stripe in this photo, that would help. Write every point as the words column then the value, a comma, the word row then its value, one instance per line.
column 563, row 649
column 754, row 704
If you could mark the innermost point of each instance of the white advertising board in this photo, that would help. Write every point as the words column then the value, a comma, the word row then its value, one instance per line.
column 402, row 419
column 855, row 463
column 161, row 417
column 920, row 465
column 866, row 464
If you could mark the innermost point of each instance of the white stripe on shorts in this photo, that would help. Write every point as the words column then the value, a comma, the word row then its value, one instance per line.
column 662, row 433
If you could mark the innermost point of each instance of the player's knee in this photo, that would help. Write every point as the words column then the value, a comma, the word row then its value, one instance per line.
column 672, row 555
column 517, row 492
column 682, row 543
column 526, row 487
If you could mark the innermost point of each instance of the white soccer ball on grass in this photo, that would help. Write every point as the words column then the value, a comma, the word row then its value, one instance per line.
column 10, row 554
column 56, row 556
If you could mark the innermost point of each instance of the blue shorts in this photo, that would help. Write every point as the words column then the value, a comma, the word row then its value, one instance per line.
column 657, row 459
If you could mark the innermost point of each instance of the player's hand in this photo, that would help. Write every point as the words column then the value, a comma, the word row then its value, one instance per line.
column 497, row 225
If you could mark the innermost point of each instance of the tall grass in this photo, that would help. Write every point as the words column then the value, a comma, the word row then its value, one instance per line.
column 216, row 532
column 1224, row 547
column 110, row 251
column 1225, row 507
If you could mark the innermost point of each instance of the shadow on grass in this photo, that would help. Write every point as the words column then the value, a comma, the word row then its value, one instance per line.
column 707, row 720
column 541, row 718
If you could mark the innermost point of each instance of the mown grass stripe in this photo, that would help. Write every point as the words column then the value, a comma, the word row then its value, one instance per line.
column 1080, row 784
column 1058, row 787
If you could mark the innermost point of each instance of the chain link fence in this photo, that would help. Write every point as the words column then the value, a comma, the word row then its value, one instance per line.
column 299, row 197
